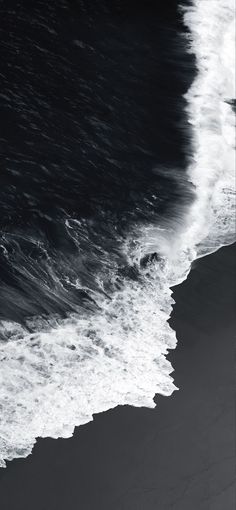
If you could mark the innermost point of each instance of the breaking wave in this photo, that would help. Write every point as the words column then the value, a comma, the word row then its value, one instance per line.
column 57, row 377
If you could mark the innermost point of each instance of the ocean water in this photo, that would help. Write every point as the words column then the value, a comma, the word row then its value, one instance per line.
column 117, row 143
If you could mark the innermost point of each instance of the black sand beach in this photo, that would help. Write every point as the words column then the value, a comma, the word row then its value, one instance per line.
column 179, row 456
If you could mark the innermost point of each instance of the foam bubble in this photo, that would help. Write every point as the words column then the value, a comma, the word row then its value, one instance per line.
column 212, row 217
column 56, row 379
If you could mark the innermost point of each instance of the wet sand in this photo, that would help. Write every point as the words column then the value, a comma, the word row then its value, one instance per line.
column 179, row 456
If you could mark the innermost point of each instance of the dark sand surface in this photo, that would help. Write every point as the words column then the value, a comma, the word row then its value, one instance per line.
column 179, row 456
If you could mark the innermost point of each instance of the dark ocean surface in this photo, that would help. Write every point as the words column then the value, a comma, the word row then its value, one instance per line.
column 113, row 181
column 93, row 142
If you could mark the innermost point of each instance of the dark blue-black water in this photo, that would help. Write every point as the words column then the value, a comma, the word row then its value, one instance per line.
column 92, row 127
column 94, row 148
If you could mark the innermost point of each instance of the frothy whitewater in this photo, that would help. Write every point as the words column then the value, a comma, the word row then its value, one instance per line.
column 58, row 377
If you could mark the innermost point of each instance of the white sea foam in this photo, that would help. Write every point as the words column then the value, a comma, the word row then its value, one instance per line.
column 55, row 379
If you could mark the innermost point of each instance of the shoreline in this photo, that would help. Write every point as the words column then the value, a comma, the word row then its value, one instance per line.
column 174, row 457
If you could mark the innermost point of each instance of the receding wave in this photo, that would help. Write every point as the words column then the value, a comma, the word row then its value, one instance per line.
column 59, row 375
